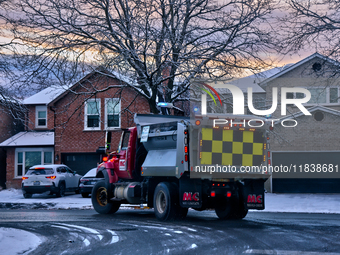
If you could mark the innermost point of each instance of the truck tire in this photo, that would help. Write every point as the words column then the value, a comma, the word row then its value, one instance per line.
column 61, row 191
column 100, row 200
column 240, row 210
column 181, row 213
column 163, row 201
column 224, row 210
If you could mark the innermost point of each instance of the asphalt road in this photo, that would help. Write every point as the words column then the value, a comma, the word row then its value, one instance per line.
column 138, row 232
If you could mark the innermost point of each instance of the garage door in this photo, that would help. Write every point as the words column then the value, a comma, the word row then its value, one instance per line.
column 300, row 185
column 80, row 162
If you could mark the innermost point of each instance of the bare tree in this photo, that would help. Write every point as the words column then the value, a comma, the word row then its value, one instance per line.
column 312, row 24
column 162, row 44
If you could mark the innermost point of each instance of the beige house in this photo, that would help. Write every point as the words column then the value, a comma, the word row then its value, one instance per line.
column 315, row 140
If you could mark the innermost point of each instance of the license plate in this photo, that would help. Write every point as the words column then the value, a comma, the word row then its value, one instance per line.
column 36, row 183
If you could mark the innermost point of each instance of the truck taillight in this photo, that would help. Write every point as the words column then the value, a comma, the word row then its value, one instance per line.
column 212, row 193
column 186, row 157
column 185, row 149
column 229, row 194
column 268, row 154
column 269, row 163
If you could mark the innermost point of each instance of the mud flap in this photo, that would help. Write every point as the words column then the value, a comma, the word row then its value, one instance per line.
column 254, row 194
column 190, row 193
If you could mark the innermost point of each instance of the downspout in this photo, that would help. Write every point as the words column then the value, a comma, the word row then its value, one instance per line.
column 52, row 108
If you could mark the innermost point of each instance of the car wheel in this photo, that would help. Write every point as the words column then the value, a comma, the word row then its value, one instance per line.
column 27, row 195
column 61, row 191
column 100, row 199
column 85, row 195
column 163, row 201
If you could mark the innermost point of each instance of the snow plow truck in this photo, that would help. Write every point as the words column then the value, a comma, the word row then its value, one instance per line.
column 173, row 163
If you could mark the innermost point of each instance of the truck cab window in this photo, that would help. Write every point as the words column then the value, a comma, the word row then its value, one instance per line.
column 125, row 142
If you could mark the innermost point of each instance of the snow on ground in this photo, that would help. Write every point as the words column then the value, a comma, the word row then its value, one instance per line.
column 13, row 198
column 24, row 241
column 300, row 203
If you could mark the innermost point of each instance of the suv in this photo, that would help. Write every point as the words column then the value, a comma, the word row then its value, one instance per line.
column 54, row 178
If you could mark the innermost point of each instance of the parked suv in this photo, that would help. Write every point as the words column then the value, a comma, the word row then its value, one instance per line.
column 54, row 178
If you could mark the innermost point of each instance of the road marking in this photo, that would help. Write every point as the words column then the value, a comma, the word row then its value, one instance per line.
column 282, row 252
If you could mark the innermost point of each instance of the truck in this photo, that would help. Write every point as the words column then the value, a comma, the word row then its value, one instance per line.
column 173, row 163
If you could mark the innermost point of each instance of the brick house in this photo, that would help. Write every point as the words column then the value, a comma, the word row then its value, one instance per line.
column 9, row 125
column 69, row 125
column 315, row 139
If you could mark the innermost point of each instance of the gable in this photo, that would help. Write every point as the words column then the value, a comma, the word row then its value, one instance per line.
column 52, row 94
column 313, row 66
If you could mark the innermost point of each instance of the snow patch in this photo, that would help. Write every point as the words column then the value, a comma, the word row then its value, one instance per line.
column 115, row 237
column 191, row 229
column 86, row 242
column 193, row 246
column 298, row 203
column 25, row 242
column 90, row 230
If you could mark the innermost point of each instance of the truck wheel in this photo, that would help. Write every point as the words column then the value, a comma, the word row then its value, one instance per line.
column 163, row 201
column 100, row 200
column 240, row 212
column 61, row 191
column 224, row 210
column 181, row 213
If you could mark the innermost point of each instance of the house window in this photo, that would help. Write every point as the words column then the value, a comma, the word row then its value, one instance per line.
column 28, row 157
column 318, row 95
column 112, row 113
column 324, row 96
column 41, row 116
column 92, row 114
column 291, row 95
